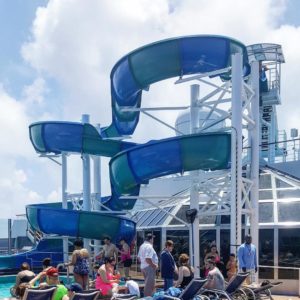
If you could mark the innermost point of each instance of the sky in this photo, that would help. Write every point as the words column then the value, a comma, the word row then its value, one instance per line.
column 56, row 57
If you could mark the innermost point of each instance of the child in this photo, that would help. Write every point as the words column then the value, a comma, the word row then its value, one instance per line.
column 231, row 266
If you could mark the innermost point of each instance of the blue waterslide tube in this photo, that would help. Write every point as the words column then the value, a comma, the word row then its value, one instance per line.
column 136, row 71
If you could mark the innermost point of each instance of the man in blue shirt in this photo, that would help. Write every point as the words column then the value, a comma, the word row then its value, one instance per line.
column 167, row 265
column 248, row 259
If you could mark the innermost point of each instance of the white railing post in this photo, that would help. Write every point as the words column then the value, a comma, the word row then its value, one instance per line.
column 86, row 181
column 254, row 164
column 236, row 152
column 194, row 194
column 64, row 187
column 97, row 190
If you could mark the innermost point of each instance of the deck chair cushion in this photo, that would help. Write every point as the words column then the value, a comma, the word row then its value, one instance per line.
column 85, row 295
column 36, row 294
column 192, row 289
column 264, row 287
column 236, row 282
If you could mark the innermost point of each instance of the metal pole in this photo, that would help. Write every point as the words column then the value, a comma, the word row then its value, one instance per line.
column 97, row 190
column 86, row 181
column 254, row 164
column 194, row 194
column 236, row 152
column 9, row 237
column 64, row 187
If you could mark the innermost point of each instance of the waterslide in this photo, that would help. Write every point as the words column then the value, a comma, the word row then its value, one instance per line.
column 131, row 164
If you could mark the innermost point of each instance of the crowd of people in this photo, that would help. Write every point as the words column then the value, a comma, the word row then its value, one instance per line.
column 180, row 276
column 107, row 276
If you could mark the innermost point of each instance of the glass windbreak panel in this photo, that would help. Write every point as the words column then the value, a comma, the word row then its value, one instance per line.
column 225, row 219
column 265, row 181
column 266, row 253
column 289, row 252
column 181, row 242
column 181, row 215
column 264, row 195
column 207, row 219
column 289, row 193
column 289, row 211
column 225, row 245
column 157, row 218
column 144, row 217
column 137, row 216
column 266, row 213
column 281, row 184
column 151, row 220
column 164, row 217
column 139, row 239
column 207, row 239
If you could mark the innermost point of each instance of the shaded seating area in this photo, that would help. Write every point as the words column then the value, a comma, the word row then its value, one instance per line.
column 261, row 292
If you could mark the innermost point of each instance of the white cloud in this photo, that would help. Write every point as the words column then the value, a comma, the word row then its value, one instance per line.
column 35, row 93
column 14, row 123
column 21, row 169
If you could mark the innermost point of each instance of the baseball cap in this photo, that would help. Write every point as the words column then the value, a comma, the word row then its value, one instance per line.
column 74, row 287
column 53, row 272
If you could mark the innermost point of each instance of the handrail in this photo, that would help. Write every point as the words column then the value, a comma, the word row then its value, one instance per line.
column 285, row 268
column 67, row 273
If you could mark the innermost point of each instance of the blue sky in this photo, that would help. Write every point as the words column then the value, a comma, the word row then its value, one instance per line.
column 56, row 56
column 291, row 15
column 16, row 18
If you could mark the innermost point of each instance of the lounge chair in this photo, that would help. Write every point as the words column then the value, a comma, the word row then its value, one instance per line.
column 124, row 297
column 86, row 295
column 261, row 292
column 192, row 290
column 35, row 294
column 232, row 291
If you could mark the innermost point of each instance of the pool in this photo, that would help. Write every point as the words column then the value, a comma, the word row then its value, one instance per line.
column 6, row 282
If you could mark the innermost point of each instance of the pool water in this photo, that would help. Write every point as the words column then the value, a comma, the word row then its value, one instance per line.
column 6, row 282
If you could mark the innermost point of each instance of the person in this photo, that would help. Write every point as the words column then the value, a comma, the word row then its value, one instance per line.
column 231, row 266
column 52, row 278
column 109, row 249
column 131, row 287
column 212, row 253
column 72, row 289
column 25, row 275
column 215, row 279
column 126, row 259
column 185, row 271
column 46, row 264
column 92, row 282
column 106, row 281
column 248, row 259
column 20, row 290
column 80, row 261
column 167, row 265
column 149, row 264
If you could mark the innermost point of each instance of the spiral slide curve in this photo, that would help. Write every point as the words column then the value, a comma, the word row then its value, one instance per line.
column 132, row 164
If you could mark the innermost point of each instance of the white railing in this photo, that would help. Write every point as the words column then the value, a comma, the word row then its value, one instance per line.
column 285, row 268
